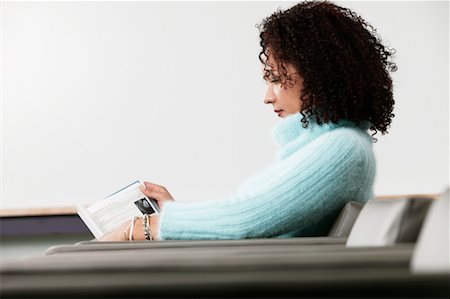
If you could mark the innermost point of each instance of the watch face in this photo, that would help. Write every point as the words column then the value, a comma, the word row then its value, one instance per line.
column 144, row 206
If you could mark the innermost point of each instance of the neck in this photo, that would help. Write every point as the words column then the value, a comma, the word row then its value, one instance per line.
column 291, row 128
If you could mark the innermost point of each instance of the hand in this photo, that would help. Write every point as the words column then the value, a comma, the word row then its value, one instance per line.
column 123, row 231
column 119, row 234
column 138, row 231
column 159, row 193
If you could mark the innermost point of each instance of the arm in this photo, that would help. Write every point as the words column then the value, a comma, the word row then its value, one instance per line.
column 122, row 233
column 296, row 191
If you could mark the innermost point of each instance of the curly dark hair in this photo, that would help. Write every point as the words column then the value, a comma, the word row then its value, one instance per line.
column 340, row 57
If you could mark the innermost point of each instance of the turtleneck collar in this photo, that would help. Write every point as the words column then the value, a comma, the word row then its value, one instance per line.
column 287, row 129
column 289, row 133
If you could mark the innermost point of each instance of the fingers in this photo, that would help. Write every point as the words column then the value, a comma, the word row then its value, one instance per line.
column 152, row 186
column 153, row 194
column 118, row 234
column 157, row 192
column 104, row 238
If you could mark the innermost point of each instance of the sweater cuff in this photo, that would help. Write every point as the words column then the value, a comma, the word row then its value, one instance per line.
column 186, row 220
column 162, row 233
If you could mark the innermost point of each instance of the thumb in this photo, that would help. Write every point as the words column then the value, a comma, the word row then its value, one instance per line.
column 152, row 193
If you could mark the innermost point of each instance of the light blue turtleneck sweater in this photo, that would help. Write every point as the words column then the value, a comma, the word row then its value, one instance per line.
column 316, row 171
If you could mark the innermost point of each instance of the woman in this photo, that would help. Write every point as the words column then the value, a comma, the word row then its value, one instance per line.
column 327, row 79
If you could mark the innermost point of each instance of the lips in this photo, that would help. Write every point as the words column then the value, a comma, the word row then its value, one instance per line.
column 279, row 112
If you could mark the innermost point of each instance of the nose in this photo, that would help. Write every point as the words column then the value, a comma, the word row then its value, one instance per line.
column 269, row 97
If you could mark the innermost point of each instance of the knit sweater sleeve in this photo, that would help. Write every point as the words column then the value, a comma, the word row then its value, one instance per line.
column 289, row 195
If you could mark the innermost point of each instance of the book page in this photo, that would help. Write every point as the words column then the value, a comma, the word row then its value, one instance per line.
column 116, row 196
column 119, row 209
column 111, row 212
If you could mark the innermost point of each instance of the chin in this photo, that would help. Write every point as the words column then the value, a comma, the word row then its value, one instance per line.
column 283, row 114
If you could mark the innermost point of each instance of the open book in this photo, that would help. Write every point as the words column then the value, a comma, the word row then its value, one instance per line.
column 109, row 213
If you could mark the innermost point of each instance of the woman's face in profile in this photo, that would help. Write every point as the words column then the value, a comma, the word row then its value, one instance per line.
column 285, row 98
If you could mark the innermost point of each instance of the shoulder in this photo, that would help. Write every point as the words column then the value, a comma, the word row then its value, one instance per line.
column 347, row 137
column 342, row 137
column 342, row 145
column 350, row 147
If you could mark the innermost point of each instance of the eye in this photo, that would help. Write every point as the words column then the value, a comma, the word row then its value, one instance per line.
column 271, row 80
column 274, row 79
column 270, row 77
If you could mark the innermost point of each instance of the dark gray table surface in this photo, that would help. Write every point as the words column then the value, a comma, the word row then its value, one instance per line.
column 257, row 268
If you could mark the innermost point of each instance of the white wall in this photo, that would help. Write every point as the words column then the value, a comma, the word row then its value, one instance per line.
column 97, row 94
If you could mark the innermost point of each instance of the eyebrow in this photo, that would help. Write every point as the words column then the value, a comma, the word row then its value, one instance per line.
column 270, row 73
